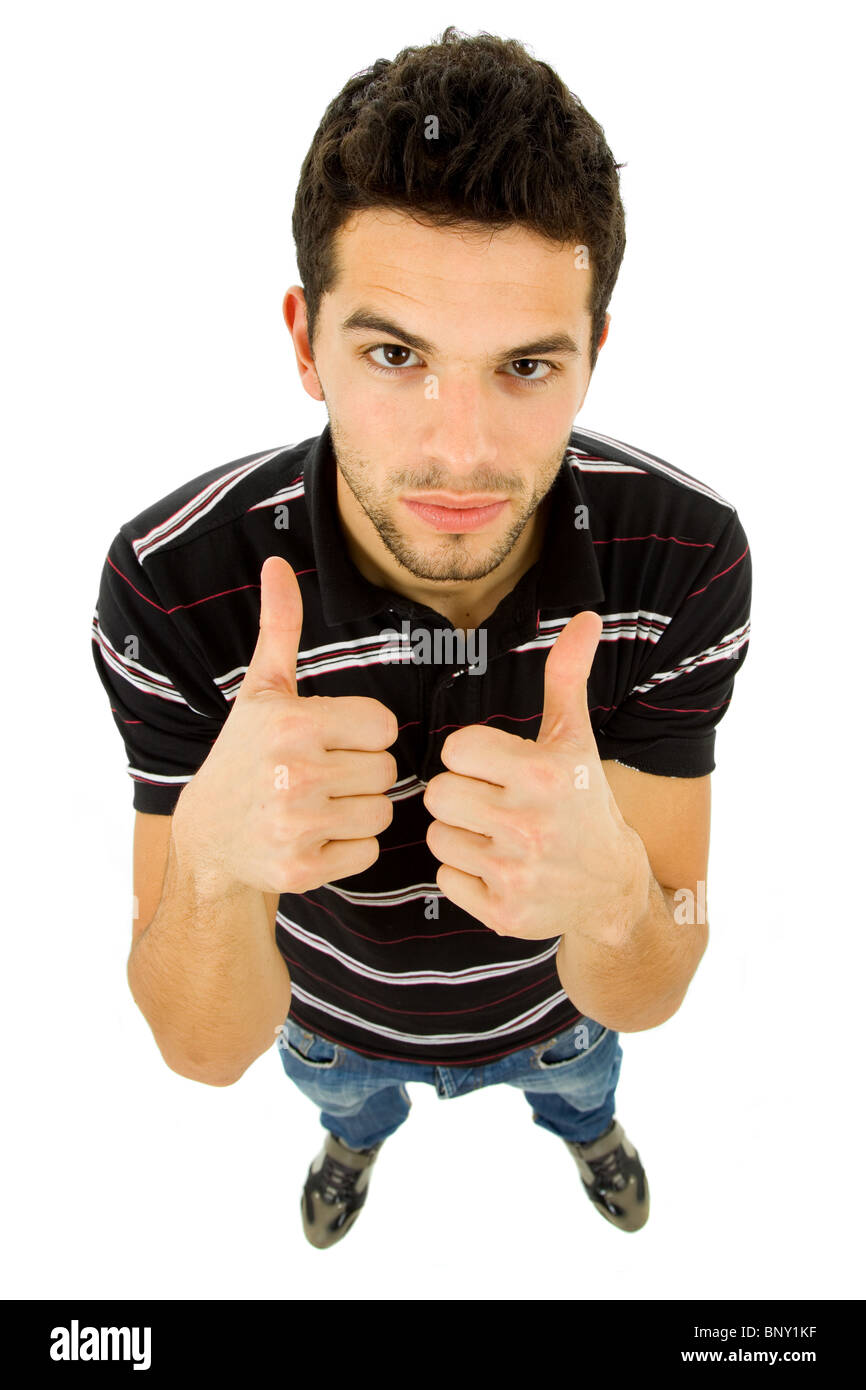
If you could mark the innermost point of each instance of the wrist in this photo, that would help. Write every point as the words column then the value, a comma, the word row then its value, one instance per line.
column 195, row 856
column 630, row 895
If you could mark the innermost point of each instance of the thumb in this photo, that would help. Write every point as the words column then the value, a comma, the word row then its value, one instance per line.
column 274, row 661
column 566, row 720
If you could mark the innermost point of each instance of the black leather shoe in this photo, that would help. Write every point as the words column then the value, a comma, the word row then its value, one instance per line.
column 613, row 1177
column 335, row 1190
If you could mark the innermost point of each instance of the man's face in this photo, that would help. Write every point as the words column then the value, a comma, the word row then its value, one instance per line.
column 480, row 412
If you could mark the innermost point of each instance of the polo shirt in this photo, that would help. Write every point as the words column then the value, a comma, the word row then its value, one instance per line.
column 381, row 961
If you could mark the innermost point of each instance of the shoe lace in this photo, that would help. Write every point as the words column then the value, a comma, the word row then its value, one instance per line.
column 337, row 1181
column 608, row 1173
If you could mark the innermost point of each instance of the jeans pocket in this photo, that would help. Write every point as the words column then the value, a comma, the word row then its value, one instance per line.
column 570, row 1046
column 307, row 1047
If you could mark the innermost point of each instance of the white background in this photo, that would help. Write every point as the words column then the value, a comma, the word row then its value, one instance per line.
column 150, row 161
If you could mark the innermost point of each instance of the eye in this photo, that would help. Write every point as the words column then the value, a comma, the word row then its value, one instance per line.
column 401, row 370
column 386, row 347
column 536, row 362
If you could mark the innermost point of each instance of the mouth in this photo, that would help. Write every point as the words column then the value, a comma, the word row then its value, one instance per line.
column 452, row 514
column 459, row 501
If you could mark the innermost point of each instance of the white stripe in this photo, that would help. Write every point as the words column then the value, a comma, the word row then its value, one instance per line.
column 653, row 465
column 604, row 467
column 408, row 786
column 306, row 655
column 721, row 651
column 626, row 632
column 395, row 898
column 285, row 494
column 396, row 654
column 470, row 974
column 147, row 681
column 637, row 613
column 175, row 525
column 230, row 681
column 530, row 1017
column 159, row 777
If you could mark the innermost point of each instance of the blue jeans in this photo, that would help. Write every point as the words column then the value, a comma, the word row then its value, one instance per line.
column 569, row 1081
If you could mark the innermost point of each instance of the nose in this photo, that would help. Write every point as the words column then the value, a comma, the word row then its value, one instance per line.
column 459, row 434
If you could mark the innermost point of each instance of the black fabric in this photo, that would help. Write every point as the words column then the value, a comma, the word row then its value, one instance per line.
column 663, row 559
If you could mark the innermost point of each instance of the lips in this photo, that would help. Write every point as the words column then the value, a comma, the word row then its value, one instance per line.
column 447, row 518
column 440, row 499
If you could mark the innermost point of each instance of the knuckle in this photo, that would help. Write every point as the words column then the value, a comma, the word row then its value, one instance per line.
column 497, row 919
column 547, row 776
column 384, row 813
column 303, row 777
column 389, row 722
column 365, row 855
column 531, row 836
column 285, row 831
column 302, row 719
column 515, row 877
column 297, row 874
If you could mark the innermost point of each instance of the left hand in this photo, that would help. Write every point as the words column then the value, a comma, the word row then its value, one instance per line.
column 530, row 838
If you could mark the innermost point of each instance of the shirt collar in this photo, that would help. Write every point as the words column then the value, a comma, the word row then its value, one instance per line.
column 569, row 576
column 567, row 572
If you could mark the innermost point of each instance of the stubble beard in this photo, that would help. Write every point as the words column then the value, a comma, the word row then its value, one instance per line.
column 449, row 556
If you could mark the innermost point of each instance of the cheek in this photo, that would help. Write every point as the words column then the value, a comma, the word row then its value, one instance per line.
column 374, row 412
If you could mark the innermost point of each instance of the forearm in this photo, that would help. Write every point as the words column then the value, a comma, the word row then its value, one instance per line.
column 207, row 973
column 642, row 980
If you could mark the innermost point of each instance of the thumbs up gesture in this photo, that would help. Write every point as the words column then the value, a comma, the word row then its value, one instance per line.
column 530, row 838
column 293, row 792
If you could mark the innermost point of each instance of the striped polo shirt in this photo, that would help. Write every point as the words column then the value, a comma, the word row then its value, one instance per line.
column 382, row 961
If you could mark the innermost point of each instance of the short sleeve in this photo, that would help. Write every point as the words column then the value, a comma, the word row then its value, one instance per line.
column 667, row 723
column 158, row 691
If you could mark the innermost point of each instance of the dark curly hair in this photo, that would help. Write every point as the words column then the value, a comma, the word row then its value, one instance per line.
column 514, row 146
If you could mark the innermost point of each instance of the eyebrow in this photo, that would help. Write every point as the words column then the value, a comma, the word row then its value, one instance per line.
column 365, row 320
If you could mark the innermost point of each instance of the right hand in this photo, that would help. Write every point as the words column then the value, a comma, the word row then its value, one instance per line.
column 292, row 794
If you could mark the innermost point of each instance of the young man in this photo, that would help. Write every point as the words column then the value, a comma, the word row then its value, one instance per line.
column 420, row 713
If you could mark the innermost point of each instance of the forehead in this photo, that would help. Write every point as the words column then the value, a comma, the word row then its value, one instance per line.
column 380, row 249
